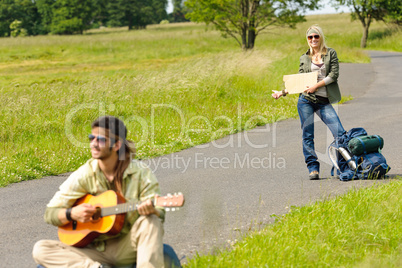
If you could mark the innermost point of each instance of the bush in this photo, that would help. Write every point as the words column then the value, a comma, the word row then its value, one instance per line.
column 17, row 30
column 95, row 25
column 69, row 26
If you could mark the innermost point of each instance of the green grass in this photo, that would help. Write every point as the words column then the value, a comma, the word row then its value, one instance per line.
column 179, row 85
column 175, row 86
column 359, row 229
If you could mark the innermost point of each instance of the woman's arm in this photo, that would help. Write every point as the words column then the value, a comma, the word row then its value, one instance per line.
column 333, row 70
column 332, row 75
column 312, row 89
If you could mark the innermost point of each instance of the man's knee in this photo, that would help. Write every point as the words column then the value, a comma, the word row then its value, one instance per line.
column 150, row 221
column 147, row 225
column 39, row 249
column 154, row 220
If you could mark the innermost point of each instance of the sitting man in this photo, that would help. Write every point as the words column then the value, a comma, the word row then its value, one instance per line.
column 140, row 240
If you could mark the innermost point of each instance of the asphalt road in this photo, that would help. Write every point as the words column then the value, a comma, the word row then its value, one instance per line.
column 234, row 184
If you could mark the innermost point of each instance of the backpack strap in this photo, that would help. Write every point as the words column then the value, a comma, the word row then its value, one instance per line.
column 381, row 143
column 364, row 146
column 368, row 158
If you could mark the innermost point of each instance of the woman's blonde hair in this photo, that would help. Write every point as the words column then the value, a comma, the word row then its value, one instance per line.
column 317, row 29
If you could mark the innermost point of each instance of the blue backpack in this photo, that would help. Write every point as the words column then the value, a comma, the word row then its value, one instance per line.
column 367, row 165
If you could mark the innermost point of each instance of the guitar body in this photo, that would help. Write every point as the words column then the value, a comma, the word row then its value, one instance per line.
column 81, row 234
column 109, row 218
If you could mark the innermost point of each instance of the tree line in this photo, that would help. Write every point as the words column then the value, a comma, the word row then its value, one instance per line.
column 242, row 20
column 35, row 17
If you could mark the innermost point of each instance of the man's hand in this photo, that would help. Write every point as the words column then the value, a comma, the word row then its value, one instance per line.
column 147, row 208
column 83, row 212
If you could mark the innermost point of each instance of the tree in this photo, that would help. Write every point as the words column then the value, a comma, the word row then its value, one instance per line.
column 369, row 10
column 71, row 16
column 179, row 12
column 159, row 10
column 99, row 12
column 245, row 19
column 394, row 12
column 23, row 11
column 136, row 14
column 29, row 17
column 45, row 9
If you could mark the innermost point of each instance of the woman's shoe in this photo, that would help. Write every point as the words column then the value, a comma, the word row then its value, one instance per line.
column 314, row 175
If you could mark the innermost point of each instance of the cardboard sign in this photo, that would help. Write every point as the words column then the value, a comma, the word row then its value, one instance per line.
column 296, row 83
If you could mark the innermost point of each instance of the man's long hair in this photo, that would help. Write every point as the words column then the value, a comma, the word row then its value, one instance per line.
column 117, row 130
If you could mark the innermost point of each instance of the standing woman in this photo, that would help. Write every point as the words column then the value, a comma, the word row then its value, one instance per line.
column 317, row 98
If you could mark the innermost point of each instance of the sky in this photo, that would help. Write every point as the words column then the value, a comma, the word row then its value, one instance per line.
column 327, row 9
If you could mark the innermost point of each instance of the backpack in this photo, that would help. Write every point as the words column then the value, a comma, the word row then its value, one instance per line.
column 365, row 144
column 355, row 155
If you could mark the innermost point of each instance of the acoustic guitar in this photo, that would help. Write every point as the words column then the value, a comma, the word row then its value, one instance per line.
column 109, row 216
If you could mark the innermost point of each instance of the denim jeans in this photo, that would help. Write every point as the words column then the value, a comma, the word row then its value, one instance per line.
column 328, row 115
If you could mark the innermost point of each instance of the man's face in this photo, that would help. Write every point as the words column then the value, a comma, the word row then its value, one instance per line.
column 101, row 144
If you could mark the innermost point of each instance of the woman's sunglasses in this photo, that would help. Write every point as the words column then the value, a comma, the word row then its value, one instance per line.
column 310, row 37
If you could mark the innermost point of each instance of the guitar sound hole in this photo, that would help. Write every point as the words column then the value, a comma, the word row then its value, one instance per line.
column 97, row 215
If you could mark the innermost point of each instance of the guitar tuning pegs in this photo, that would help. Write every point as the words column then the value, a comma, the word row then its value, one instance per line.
column 180, row 193
column 173, row 209
column 167, row 209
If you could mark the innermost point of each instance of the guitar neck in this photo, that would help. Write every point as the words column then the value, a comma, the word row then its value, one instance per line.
column 119, row 209
column 169, row 201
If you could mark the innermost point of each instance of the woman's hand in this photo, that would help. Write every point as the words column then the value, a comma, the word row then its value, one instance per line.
column 276, row 94
column 314, row 88
column 311, row 89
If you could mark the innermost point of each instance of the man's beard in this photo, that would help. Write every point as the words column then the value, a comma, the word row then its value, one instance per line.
column 102, row 154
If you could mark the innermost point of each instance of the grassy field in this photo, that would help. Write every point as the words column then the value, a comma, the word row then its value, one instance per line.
column 179, row 85
column 175, row 86
column 360, row 229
